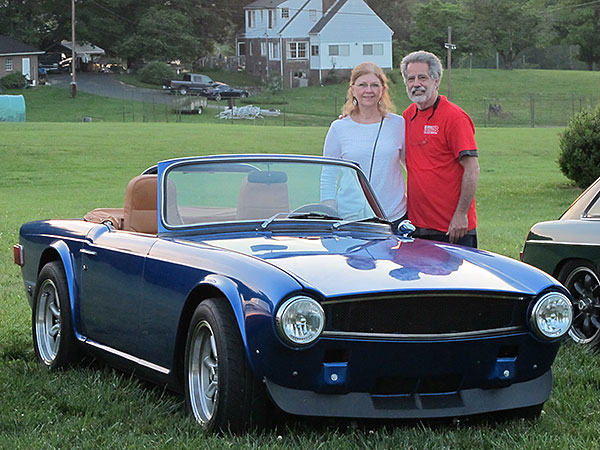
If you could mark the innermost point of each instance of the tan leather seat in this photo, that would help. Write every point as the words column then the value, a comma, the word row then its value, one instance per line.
column 262, row 195
column 140, row 205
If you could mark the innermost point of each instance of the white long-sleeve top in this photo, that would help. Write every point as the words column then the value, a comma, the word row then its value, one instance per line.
column 354, row 141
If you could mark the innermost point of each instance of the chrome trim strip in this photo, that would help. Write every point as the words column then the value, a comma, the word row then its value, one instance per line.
column 397, row 295
column 586, row 244
column 129, row 357
column 422, row 337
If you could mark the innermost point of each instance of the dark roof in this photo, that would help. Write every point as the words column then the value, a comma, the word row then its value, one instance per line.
column 328, row 16
column 10, row 46
column 265, row 4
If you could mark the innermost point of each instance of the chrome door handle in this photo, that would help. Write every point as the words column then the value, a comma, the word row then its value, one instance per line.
column 87, row 252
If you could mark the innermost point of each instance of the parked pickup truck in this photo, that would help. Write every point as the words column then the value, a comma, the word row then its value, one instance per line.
column 192, row 83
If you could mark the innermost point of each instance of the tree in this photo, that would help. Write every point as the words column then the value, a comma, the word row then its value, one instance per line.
column 162, row 35
column 397, row 14
column 31, row 21
column 578, row 23
column 431, row 28
column 507, row 26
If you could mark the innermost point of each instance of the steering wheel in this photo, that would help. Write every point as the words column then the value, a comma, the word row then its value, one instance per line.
column 318, row 208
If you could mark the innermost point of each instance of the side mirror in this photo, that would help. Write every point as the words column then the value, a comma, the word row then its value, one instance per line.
column 406, row 229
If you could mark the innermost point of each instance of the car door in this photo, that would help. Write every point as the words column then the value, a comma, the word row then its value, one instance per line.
column 111, row 284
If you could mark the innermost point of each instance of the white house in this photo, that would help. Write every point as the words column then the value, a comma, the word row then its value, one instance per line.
column 304, row 41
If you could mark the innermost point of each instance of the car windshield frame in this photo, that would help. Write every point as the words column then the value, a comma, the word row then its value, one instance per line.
column 248, row 164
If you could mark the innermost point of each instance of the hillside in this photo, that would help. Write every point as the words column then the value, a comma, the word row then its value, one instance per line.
column 517, row 98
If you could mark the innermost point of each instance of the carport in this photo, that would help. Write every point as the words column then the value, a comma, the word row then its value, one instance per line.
column 12, row 108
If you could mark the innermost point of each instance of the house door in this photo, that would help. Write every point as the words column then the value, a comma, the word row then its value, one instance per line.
column 26, row 68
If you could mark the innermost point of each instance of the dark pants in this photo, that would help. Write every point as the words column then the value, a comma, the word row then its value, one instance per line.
column 468, row 240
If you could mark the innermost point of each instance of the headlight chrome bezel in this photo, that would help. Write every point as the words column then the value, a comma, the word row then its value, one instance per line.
column 538, row 320
column 284, row 318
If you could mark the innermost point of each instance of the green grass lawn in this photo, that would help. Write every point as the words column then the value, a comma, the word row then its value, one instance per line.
column 522, row 98
column 63, row 170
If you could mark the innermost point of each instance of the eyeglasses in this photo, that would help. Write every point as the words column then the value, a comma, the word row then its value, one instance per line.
column 366, row 85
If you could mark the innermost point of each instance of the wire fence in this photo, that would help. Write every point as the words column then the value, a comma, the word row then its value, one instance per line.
column 528, row 110
column 531, row 110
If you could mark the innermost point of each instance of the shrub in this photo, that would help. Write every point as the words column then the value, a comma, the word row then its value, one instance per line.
column 274, row 83
column 579, row 158
column 155, row 72
column 14, row 81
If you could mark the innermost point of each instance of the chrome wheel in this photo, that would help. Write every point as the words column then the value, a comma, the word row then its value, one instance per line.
column 48, row 325
column 221, row 392
column 203, row 373
column 584, row 285
column 54, row 341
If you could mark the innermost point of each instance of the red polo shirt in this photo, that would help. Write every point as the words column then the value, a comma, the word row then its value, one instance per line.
column 435, row 140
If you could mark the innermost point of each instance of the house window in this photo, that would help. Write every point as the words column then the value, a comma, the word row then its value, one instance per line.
column 372, row 49
column 250, row 51
column 241, row 48
column 272, row 19
column 312, row 13
column 296, row 50
column 274, row 50
column 285, row 13
column 339, row 50
column 9, row 65
column 314, row 50
column 263, row 49
column 251, row 19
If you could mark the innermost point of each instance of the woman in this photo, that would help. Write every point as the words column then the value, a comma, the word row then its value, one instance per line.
column 370, row 134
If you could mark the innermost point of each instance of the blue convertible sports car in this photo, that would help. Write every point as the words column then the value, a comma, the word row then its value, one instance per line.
column 247, row 281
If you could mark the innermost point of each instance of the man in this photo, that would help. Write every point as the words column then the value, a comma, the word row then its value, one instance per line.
column 441, row 157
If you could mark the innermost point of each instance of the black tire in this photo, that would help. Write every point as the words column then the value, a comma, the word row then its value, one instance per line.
column 183, row 91
column 200, row 110
column 583, row 280
column 221, row 392
column 218, row 97
column 54, row 342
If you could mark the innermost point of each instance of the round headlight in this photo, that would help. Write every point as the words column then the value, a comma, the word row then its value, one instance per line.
column 552, row 315
column 300, row 320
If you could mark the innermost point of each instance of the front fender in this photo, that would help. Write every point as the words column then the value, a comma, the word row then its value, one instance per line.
column 68, row 263
column 230, row 290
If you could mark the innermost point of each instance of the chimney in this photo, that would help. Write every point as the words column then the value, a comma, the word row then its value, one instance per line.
column 327, row 4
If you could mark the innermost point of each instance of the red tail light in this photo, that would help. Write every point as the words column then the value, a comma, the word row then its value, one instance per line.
column 18, row 254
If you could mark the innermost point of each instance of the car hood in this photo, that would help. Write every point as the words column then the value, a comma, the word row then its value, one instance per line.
column 338, row 265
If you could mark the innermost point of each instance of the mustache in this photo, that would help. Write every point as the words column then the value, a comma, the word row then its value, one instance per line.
column 417, row 89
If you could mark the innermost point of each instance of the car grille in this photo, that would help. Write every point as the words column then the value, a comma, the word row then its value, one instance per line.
column 425, row 314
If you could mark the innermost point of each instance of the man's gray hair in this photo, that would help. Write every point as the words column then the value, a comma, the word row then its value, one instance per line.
column 435, row 66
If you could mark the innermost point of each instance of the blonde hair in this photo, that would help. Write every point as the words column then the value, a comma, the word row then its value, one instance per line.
column 385, row 103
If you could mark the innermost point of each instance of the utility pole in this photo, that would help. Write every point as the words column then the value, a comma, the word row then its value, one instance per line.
column 73, row 54
column 450, row 46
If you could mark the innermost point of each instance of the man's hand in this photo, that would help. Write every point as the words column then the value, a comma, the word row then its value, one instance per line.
column 459, row 225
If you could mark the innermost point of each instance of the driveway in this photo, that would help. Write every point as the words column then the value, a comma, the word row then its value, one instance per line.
column 107, row 85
